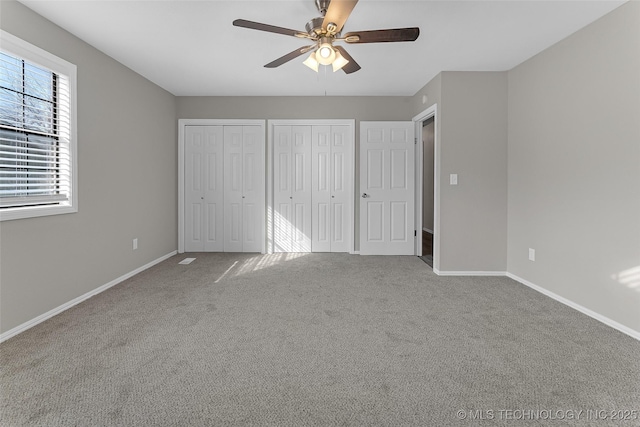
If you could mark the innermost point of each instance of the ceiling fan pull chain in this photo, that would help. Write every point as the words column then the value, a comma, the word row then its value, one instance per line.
column 325, row 80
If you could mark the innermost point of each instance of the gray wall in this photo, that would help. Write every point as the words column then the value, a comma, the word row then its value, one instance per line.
column 574, row 167
column 473, row 214
column 471, row 132
column 294, row 107
column 429, row 95
column 127, row 159
column 433, row 93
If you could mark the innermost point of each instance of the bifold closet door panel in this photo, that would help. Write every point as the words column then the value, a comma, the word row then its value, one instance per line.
column 203, row 188
column 253, row 182
column 243, row 188
column 292, row 188
column 341, row 173
column 233, row 189
column 321, row 192
column 332, row 178
column 301, row 189
column 282, row 189
column 194, row 194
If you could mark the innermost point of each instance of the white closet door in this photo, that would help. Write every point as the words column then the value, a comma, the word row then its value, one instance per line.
column 282, row 241
column 193, row 186
column 331, row 196
column 243, row 188
column 292, row 189
column 321, row 231
column 253, row 182
column 233, row 189
column 341, row 165
column 213, row 178
column 203, row 188
column 301, row 189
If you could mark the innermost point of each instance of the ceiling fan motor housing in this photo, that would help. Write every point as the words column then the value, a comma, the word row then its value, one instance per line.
column 314, row 27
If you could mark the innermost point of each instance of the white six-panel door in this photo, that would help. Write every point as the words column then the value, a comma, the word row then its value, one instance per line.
column 203, row 188
column 387, row 188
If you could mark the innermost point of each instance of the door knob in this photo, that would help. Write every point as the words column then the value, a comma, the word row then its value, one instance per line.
column 365, row 195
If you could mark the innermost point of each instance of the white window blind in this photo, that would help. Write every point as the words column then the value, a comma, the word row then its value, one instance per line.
column 36, row 144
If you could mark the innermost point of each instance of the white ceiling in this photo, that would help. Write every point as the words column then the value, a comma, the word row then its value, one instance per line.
column 191, row 47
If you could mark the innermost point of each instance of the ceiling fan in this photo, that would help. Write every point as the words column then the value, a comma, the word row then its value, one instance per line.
column 325, row 30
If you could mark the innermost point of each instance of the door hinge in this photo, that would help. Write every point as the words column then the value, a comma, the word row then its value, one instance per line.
column 415, row 233
column 415, row 141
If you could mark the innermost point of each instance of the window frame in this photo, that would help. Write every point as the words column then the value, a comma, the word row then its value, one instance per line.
column 21, row 49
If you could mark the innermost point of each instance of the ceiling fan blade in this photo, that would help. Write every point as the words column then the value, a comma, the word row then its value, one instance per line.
column 352, row 66
column 338, row 13
column 289, row 56
column 381, row 36
column 268, row 28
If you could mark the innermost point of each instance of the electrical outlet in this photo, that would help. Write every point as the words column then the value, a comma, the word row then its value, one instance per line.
column 532, row 254
column 135, row 244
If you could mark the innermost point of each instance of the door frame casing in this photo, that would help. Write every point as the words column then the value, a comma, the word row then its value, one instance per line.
column 419, row 119
column 270, row 172
column 182, row 124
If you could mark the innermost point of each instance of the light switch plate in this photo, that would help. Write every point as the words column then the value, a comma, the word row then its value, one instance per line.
column 453, row 179
column 532, row 254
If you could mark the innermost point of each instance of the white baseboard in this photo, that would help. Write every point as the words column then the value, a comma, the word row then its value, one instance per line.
column 599, row 317
column 33, row 322
column 469, row 273
column 355, row 253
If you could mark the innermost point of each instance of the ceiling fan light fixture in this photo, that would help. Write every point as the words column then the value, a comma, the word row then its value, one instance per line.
column 339, row 62
column 311, row 62
column 325, row 53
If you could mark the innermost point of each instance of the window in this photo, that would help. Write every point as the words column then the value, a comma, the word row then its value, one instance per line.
column 37, row 132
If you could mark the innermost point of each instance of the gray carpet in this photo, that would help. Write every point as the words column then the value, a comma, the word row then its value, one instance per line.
column 318, row 339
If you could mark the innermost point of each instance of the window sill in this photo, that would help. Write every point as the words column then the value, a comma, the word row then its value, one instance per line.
column 35, row 211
